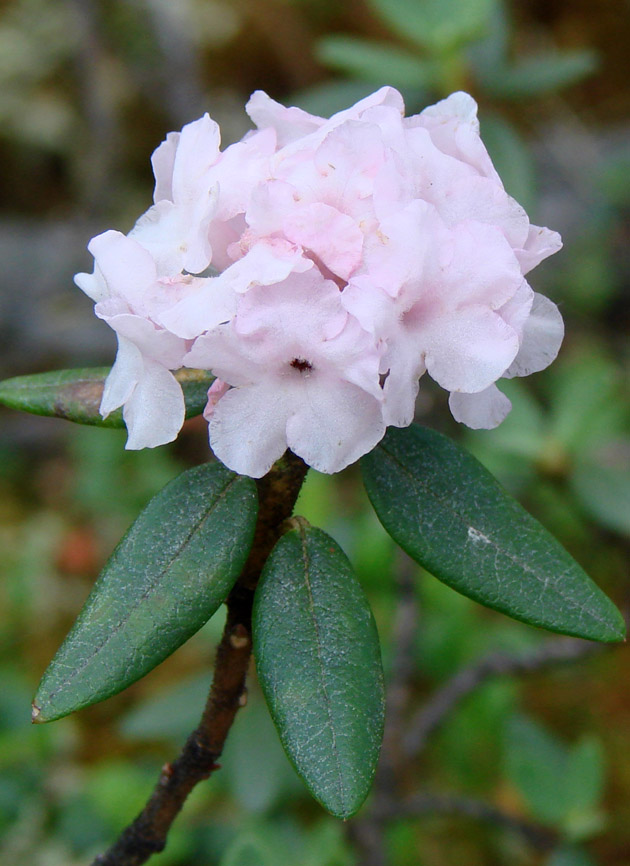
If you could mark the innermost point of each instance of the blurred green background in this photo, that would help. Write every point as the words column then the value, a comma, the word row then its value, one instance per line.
column 87, row 90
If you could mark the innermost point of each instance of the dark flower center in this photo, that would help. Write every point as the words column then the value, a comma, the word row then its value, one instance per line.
column 301, row 364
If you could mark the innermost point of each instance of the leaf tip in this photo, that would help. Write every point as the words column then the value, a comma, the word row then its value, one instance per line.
column 36, row 715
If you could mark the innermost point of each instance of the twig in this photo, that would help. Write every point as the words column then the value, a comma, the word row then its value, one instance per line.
column 147, row 834
column 436, row 710
column 540, row 838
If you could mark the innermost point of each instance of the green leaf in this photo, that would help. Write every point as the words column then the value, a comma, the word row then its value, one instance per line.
column 450, row 515
column 588, row 406
column 318, row 661
column 169, row 574
column 541, row 74
column 248, row 850
column 536, row 763
column 585, row 778
column 76, row 394
column 601, row 481
column 374, row 61
column 438, row 25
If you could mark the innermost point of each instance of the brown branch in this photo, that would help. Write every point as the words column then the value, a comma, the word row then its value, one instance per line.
column 146, row 835
column 426, row 804
column 468, row 679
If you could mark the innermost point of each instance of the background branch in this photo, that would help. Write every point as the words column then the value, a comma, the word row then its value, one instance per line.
column 436, row 710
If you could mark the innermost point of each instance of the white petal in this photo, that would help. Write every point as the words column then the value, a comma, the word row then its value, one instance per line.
column 469, row 349
column 163, row 160
column 289, row 123
column 542, row 336
column 197, row 151
column 155, row 411
column 402, row 384
column 482, row 411
column 212, row 304
column 154, row 343
column 540, row 243
column 93, row 284
column 248, row 428
column 123, row 376
column 126, row 267
column 335, row 424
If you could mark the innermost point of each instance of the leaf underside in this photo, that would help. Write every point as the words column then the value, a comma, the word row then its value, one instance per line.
column 318, row 662
column 167, row 577
column 450, row 515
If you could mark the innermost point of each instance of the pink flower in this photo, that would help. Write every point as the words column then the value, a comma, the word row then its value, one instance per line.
column 347, row 257
column 305, row 377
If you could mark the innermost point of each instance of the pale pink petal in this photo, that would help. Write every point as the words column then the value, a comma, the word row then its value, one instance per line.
column 240, row 168
column 401, row 387
column 177, row 236
column 334, row 425
column 153, row 342
column 123, row 376
column 93, row 285
column 267, row 262
column 540, row 243
column 303, row 309
column 210, row 304
column 289, row 123
column 155, row 412
column 474, row 263
column 482, row 200
column 237, row 362
column 454, row 129
column 542, row 336
column 126, row 267
column 163, row 160
column 482, row 411
column 330, row 235
column 197, row 151
column 248, row 428
column 516, row 311
column 387, row 96
column 469, row 349
column 217, row 390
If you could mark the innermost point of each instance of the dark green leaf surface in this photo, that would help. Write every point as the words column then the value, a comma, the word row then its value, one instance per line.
column 441, row 506
column 166, row 578
column 318, row 661
column 76, row 394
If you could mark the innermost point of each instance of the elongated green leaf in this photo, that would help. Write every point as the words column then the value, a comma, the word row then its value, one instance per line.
column 374, row 61
column 318, row 661
column 541, row 74
column 441, row 506
column 76, row 394
column 437, row 25
column 166, row 578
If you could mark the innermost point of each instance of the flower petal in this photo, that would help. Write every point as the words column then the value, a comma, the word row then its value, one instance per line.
column 470, row 349
column 482, row 411
column 334, row 424
column 542, row 337
column 248, row 428
column 155, row 412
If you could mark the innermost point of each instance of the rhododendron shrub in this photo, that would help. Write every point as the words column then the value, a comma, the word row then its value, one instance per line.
column 296, row 288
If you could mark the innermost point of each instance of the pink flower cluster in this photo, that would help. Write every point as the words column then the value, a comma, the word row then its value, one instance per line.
column 319, row 268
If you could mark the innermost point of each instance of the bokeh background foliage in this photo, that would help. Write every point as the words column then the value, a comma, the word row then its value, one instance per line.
column 87, row 90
